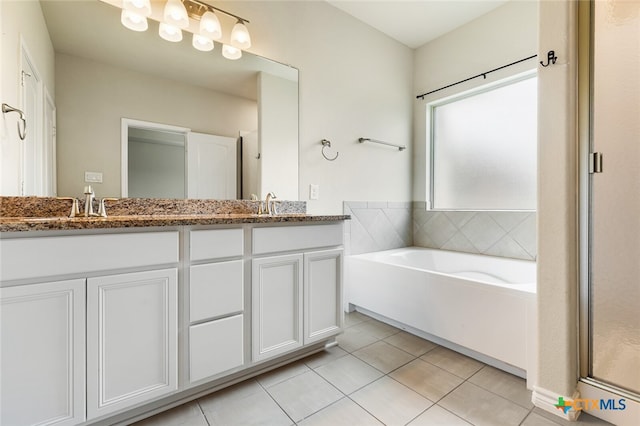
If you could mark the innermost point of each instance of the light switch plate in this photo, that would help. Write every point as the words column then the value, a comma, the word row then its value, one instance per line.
column 314, row 192
column 93, row 177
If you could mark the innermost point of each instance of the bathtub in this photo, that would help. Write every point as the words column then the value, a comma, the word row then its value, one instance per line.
column 482, row 306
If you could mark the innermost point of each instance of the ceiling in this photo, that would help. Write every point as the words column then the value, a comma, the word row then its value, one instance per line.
column 416, row 22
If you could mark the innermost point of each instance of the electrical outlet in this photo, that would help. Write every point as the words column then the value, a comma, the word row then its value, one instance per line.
column 314, row 192
column 93, row 177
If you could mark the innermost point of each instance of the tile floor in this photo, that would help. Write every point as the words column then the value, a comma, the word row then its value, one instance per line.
column 377, row 375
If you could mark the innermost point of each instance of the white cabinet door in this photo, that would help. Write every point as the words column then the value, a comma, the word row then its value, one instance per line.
column 42, row 329
column 131, row 339
column 276, row 305
column 322, row 294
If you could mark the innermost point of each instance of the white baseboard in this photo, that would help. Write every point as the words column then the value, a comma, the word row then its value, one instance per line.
column 547, row 400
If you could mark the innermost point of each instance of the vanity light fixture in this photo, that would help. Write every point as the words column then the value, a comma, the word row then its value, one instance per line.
column 170, row 33
column 231, row 52
column 176, row 16
column 133, row 21
column 240, row 37
column 134, row 14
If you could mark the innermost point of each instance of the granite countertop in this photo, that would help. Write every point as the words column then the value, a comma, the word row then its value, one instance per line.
column 19, row 224
column 19, row 214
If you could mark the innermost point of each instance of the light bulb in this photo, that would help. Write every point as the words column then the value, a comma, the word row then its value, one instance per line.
column 141, row 7
column 133, row 21
column 176, row 14
column 202, row 43
column 240, row 37
column 170, row 33
column 210, row 26
column 231, row 52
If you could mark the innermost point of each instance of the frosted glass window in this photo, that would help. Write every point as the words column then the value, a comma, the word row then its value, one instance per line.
column 483, row 149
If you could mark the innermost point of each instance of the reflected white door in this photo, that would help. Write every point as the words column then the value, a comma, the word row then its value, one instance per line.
column 615, row 220
column 212, row 166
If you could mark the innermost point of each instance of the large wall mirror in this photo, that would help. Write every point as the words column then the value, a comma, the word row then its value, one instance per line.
column 105, row 74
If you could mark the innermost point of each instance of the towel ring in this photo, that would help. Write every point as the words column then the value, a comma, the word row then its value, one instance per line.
column 22, row 133
column 326, row 144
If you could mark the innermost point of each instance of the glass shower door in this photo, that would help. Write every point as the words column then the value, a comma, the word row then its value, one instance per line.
column 614, row 305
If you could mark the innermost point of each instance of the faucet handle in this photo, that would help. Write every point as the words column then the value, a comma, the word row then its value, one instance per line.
column 75, row 209
column 102, row 209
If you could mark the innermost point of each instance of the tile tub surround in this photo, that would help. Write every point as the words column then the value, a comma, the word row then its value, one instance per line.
column 377, row 375
column 377, row 226
column 495, row 233
column 52, row 206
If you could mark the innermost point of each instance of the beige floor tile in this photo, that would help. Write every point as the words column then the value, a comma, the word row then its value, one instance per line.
column 281, row 374
column 391, row 402
column 324, row 357
column 353, row 339
column 348, row 373
column 453, row 362
column 188, row 414
column 303, row 395
column 243, row 405
column 504, row 384
column 534, row 419
column 353, row 318
column 414, row 345
column 377, row 329
column 481, row 407
column 383, row 356
column 345, row 412
column 438, row 416
column 428, row 380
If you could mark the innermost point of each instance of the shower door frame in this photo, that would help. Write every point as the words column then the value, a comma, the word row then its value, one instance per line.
column 589, row 387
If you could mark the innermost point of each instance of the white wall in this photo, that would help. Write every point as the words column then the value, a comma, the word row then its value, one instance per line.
column 557, row 205
column 354, row 82
column 21, row 20
column 93, row 97
column 504, row 35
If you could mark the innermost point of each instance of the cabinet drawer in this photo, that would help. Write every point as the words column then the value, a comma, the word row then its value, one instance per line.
column 216, row 243
column 215, row 289
column 49, row 256
column 286, row 238
column 215, row 347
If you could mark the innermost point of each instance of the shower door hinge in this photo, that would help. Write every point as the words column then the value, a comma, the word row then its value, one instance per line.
column 595, row 162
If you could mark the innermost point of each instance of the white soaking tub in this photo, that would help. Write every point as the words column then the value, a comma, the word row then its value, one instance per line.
column 483, row 306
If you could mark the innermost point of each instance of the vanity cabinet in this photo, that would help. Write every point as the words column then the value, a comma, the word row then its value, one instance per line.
column 42, row 336
column 297, row 297
column 105, row 325
column 216, row 302
column 132, row 344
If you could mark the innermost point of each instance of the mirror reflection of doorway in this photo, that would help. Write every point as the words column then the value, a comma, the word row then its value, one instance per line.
column 163, row 161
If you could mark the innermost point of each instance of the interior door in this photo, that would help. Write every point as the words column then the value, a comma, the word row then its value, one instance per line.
column 212, row 166
column 615, row 197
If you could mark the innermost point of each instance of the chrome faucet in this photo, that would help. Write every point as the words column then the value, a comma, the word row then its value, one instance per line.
column 270, row 204
column 75, row 209
column 102, row 210
column 89, row 195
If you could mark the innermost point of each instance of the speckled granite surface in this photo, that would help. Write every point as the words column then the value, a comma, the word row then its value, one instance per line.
column 19, row 214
